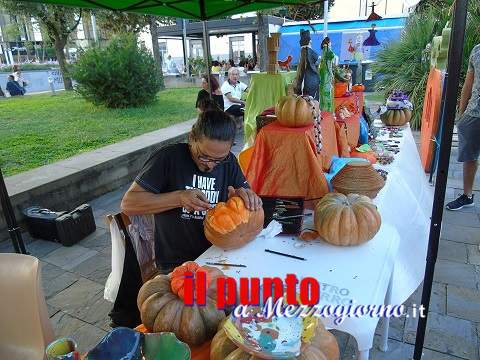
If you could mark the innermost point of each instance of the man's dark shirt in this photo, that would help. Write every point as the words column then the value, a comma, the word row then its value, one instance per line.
column 179, row 234
column 14, row 88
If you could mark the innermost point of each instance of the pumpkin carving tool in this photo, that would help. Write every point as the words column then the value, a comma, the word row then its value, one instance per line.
column 226, row 264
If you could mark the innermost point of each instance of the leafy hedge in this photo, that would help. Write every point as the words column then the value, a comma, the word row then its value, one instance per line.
column 122, row 74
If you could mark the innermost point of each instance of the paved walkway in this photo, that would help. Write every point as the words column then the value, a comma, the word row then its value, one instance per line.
column 74, row 278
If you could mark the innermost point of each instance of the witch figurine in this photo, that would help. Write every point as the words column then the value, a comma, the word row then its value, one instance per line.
column 307, row 80
column 326, row 77
column 372, row 38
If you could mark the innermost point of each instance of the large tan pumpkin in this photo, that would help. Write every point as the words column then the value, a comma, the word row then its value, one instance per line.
column 346, row 220
column 322, row 346
column 294, row 111
column 231, row 225
column 162, row 309
column 396, row 117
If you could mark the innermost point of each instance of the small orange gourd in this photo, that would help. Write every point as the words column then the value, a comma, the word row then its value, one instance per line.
column 162, row 308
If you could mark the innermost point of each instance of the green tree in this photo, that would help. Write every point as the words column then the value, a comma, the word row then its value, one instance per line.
column 58, row 21
column 122, row 74
column 12, row 33
column 115, row 22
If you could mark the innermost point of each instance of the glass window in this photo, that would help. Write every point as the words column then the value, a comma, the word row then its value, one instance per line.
column 237, row 48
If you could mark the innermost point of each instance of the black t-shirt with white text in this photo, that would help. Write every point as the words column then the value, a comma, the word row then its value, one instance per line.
column 179, row 235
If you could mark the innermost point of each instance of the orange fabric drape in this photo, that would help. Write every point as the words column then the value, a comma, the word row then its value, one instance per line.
column 352, row 122
column 329, row 139
column 285, row 163
column 430, row 117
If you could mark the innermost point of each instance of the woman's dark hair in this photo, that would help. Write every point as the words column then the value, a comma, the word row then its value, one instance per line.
column 205, row 103
column 215, row 63
column 213, row 82
column 215, row 125
column 230, row 61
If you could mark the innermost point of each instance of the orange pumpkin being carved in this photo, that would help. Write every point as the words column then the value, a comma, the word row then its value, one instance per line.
column 162, row 310
column 346, row 220
column 294, row 111
column 231, row 225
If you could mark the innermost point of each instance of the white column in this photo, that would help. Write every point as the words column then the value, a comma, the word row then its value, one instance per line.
column 325, row 18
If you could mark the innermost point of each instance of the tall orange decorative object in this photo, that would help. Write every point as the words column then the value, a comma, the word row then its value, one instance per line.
column 430, row 117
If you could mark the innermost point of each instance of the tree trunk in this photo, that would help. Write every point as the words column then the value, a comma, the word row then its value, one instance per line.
column 262, row 42
column 62, row 61
column 156, row 49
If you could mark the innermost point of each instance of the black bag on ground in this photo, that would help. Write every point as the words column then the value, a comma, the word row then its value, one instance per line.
column 41, row 222
column 64, row 227
column 75, row 225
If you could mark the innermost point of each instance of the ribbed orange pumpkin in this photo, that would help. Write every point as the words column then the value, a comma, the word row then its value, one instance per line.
column 323, row 346
column 396, row 117
column 231, row 225
column 346, row 220
column 294, row 111
column 162, row 310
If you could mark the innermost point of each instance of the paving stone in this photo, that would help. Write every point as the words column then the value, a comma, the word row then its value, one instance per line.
column 65, row 325
column 446, row 334
column 466, row 219
column 52, row 310
column 41, row 248
column 473, row 254
column 87, row 337
column 69, row 257
column 438, row 298
column 350, row 350
column 451, row 250
column 463, row 303
column 395, row 330
column 99, row 240
column 83, row 300
column 55, row 279
column 454, row 273
column 435, row 355
column 397, row 350
column 97, row 268
column 467, row 235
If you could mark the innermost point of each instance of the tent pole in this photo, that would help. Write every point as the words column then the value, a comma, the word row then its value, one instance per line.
column 455, row 54
column 206, row 45
column 13, row 229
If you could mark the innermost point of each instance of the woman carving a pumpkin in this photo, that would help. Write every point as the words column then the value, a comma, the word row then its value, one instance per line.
column 180, row 182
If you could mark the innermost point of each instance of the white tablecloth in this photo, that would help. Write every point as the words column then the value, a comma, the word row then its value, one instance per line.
column 406, row 203
column 360, row 273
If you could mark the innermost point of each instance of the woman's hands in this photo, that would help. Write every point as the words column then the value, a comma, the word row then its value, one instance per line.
column 252, row 201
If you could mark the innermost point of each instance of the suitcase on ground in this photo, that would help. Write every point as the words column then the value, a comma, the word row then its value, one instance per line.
column 75, row 225
column 41, row 222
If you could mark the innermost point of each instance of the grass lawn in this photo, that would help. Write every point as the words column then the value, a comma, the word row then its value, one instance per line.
column 40, row 129
column 374, row 97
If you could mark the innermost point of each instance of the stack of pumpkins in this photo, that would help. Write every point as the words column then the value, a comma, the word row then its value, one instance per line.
column 399, row 109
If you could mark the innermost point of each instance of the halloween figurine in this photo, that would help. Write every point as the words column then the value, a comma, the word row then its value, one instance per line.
column 307, row 80
column 326, row 77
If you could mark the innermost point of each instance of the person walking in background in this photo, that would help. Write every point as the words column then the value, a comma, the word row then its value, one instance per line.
column 203, row 94
column 13, row 87
column 468, row 128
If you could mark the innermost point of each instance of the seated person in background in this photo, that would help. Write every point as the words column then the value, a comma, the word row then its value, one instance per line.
column 217, row 95
column 13, row 87
column 1, row 92
column 232, row 90
column 215, row 67
column 178, row 184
